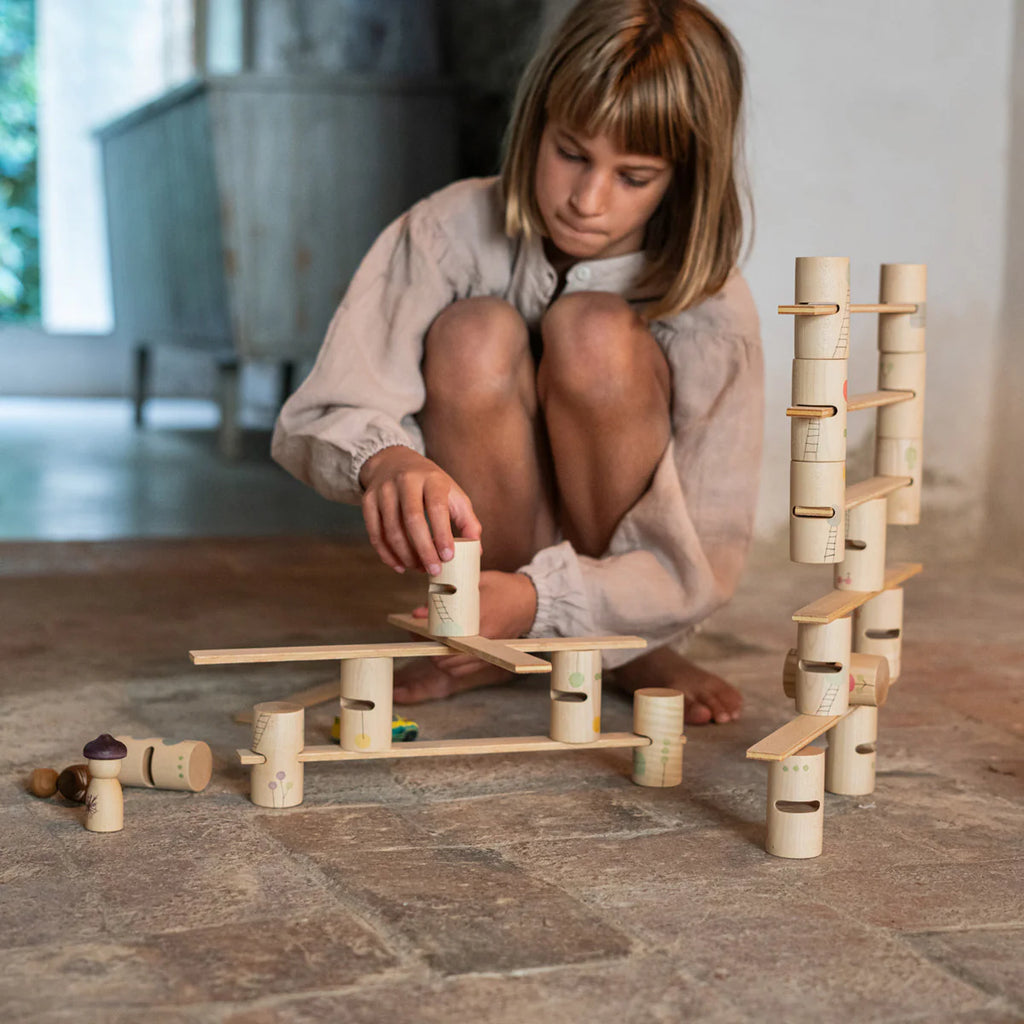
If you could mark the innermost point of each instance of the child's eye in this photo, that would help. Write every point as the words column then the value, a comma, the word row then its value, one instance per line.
column 635, row 182
column 567, row 155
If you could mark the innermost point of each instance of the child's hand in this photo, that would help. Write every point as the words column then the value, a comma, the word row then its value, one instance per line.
column 508, row 606
column 409, row 507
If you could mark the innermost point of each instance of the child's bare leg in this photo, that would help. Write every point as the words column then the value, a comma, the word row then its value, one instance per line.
column 605, row 387
column 481, row 424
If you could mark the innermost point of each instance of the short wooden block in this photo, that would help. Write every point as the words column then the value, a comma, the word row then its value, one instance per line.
column 823, row 667
column 863, row 568
column 869, row 678
column 575, row 696
column 878, row 628
column 156, row 763
column 819, row 382
column 814, row 539
column 796, row 805
column 658, row 715
column 903, row 283
column 365, row 705
column 823, row 280
column 277, row 734
column 850, row 759
column 453, row 596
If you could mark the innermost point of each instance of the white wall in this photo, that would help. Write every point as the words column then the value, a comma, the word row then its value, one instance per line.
column 879, row 131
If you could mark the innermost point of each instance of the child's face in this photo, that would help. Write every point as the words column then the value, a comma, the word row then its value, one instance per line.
column 596, row 200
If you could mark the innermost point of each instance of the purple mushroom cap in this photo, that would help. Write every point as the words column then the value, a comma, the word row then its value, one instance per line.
column 104, row 748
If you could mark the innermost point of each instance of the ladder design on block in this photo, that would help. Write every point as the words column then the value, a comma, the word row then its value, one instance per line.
column 812, row 440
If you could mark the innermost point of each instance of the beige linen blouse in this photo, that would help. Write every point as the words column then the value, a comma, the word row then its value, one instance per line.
column 677, row 554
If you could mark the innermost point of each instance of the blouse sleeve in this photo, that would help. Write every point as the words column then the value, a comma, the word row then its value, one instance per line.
column 678, row 553
column 366, row 384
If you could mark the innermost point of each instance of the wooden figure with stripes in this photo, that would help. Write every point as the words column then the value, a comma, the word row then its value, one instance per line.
column 848, row 642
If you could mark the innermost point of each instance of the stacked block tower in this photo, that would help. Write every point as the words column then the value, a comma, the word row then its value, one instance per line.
column 848, row 642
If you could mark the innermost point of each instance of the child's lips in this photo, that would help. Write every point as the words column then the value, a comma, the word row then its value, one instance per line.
column 575, row 228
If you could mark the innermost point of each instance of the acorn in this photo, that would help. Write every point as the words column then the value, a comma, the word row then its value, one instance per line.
column 73, row 782
column 43, row 782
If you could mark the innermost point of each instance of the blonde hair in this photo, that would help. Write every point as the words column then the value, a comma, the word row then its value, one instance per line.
column 661, row 78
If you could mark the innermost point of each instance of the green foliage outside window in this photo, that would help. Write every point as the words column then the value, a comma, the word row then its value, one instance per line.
column 19, row 217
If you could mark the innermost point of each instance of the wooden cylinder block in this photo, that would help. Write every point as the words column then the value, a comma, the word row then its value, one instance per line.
column 453, row 598
column 901, row 457
column 824, row 279
column 902, row 371
column 903, row 283
column 869, row 678
column 878, row 628
column 817, row 521
column 819, row 382
column 823, row 667
column 367, row 688
column 863, row 568
column 658, row 715
column 575, row 696
column 796, row 805
column 850, row 760
column 166, row 764
column 278, row 733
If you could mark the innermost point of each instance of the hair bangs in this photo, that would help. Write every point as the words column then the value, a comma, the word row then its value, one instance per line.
column 631, row 100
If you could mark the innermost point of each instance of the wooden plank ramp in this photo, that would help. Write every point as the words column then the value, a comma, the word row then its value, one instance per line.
column 445, row 748
column 791, row 737
column 842, row 602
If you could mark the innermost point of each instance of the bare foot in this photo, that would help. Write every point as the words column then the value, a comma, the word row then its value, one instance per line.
column 709, row 698
column 423, row 679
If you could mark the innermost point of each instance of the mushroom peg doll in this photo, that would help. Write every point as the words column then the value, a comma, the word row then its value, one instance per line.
column 104, row 804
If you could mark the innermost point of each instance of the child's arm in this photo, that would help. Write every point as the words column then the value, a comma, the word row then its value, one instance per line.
column 356, row 410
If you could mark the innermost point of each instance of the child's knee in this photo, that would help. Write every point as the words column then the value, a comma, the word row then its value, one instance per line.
column 590, row 345
column 474, row 344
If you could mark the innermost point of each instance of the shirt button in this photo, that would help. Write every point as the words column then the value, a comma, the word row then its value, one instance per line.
column 581, row 274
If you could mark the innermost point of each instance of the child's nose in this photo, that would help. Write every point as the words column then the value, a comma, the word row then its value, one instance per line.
column 589, row 195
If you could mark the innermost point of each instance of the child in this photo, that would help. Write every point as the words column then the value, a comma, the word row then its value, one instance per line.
column 563, row 361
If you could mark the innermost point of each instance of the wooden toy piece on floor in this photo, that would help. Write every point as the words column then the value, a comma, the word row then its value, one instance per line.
column 156, row 763
column 104, row 803
column 796, row 801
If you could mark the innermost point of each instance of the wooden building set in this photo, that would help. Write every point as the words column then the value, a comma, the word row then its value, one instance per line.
column 278, row 751
column 848, row 642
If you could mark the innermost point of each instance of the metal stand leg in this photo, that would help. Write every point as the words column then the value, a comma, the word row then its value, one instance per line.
column 229, row 437
column 140, row 380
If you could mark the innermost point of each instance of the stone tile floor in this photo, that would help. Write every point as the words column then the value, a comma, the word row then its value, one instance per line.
column 497, row 889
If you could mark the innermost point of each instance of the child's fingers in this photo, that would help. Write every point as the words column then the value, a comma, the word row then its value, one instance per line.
column 393, row 527
column 416, row 528
column 421, row 612
column 436, row 501
column 374, row 530
column 461, row 510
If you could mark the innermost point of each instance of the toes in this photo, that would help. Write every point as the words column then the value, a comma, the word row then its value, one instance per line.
column 697, row 713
